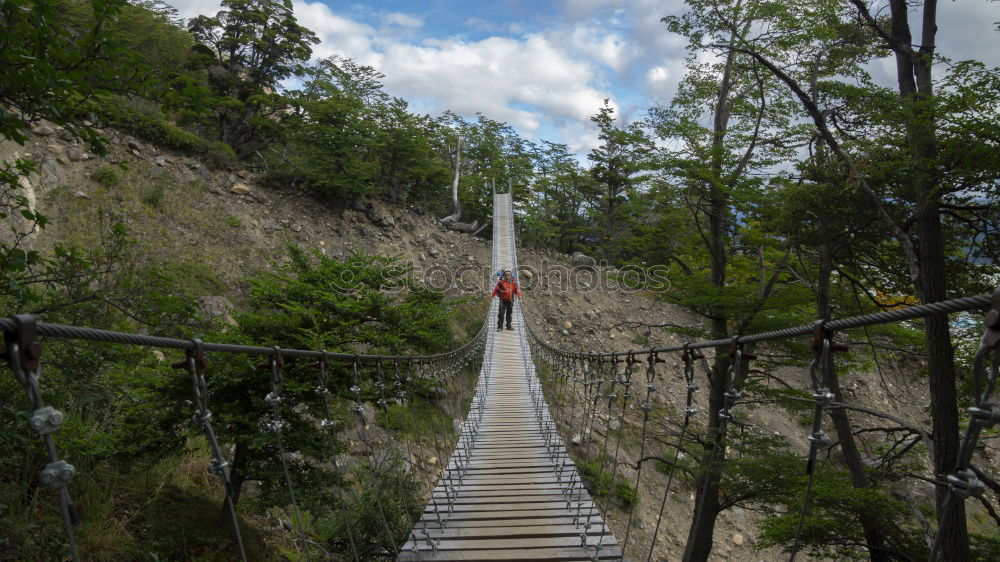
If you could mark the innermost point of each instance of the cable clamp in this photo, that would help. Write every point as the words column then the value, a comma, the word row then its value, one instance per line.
column 820, row 439
column 986, row 414
column 46, row 420
column 965, row 483
column 823, row 395
column 57, row 474
column 991, row 338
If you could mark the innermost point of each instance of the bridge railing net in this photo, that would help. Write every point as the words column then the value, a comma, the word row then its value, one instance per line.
column 602, row 399
column 380, row 389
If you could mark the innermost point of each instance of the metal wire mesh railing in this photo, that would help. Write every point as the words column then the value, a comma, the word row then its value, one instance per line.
column 23, row 352
column 598, row 381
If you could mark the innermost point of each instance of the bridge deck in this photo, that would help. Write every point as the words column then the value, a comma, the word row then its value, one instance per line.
column 510, row 492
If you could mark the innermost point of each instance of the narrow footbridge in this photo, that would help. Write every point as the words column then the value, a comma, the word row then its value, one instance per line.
column 510, row 491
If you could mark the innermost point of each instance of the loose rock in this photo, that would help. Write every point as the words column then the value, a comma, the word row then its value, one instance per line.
column 240, row 189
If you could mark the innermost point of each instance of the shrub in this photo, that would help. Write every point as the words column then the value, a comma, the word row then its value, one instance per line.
column 159, row 130
column 234, row 222
column 107, row 176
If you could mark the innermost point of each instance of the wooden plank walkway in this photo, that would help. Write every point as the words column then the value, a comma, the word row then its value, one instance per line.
column 510, row 492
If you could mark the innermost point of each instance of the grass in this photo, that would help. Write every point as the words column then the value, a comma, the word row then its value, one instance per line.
column 234, row 222
column 106, row 176
column 627, row 494
column 419, row 419
column 169, row 510
column 153, row 196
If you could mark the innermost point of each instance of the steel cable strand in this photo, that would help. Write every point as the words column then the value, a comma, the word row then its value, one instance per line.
column 731, row 395
column 574, row 474
column 592, row 400
column 276, row 366
column 196, row 365
column 626, row 395
column 962, row 304
column 74, row 332
column 373, row 465
column 23, row 353
column 647, row 407
column 383, row 403
column 328, row 427
column 434, row 498
column 817, row 438
column 964, row 482
column 612, row 397
column 587, row 392
column 689, row 356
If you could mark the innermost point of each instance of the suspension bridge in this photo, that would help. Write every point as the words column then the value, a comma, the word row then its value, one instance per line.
column 510, row 490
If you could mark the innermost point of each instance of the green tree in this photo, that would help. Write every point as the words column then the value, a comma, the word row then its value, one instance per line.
column 252, row 45
column 317, row 302
column 617, row 166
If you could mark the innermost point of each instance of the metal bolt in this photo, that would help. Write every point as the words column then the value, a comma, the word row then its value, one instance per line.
column 821, row 439
column 986, row 414
column 45, row 420
column 965, row 483
column 57, row 474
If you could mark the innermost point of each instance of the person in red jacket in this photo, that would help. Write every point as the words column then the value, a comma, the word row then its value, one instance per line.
column 506, row 288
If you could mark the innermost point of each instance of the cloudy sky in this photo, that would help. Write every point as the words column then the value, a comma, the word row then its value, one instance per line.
column 545, row 66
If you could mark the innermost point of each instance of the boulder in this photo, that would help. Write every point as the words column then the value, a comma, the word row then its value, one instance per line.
column 43, row 130
column 217, row 308
column 76, row 153
column 580, row 259
column 240, row 189
column 464, row 226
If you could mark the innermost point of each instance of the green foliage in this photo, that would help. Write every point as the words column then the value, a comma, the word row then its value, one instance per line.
column 373, row 518
column 234, row 222
column 627, row 494
column 157, row 129
column 106, row 176
column 418, row 420
column 247, row 48
column 321, row 302
column 599, row 478
column 153, row 196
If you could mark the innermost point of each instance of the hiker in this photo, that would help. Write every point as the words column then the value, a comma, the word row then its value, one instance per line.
column 506, row 288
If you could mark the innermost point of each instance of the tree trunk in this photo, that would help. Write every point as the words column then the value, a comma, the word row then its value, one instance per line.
column 841, row 422
column 241, row 463
column 702, row 530
column 456, row 209
column 916, row 92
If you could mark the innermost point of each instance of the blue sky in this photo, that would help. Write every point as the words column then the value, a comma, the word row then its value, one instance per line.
column 545, row 66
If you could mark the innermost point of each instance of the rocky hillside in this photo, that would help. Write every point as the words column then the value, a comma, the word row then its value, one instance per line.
column 182, row 212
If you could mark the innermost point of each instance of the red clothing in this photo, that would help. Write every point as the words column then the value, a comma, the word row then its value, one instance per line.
column 506, row 290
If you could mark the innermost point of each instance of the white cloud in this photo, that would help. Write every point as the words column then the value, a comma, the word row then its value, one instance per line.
column 402, row 20
column 657, row 75
column 188, row 9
